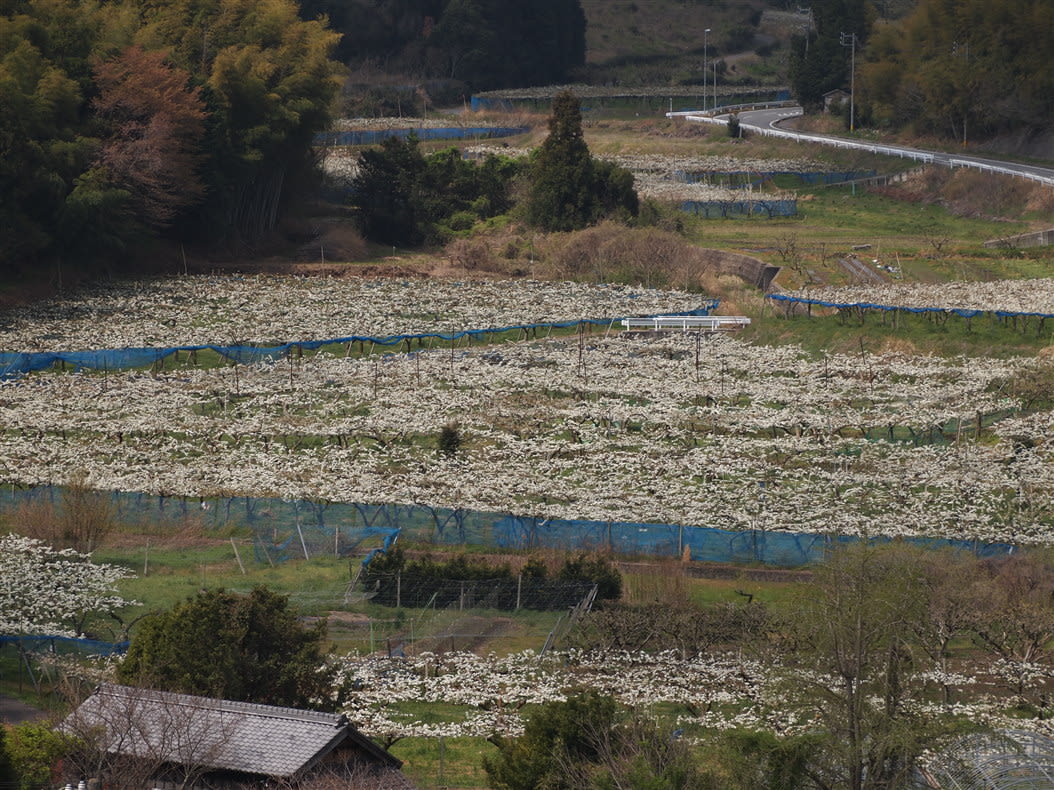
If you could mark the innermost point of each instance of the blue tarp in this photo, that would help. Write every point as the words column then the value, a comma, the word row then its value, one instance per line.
column 706, row 544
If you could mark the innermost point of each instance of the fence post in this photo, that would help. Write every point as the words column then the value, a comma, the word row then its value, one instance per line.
column 519, row 587
column 398, row 590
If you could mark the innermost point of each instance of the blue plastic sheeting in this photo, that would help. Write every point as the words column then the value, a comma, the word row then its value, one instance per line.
column 959, row 311
column 723, row 209
column 16, row 364
column 40, row 643
column 373, row 137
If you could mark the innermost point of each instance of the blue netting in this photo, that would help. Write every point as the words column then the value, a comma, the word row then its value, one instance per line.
column 507, row 103
column 707, row 544
column 959, row 311
column 724, row 209
column 55, row 644
column 286, row 529
column 743, row 179
column 17, row 363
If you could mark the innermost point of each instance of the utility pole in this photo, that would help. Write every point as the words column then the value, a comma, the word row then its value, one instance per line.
column 849, row 40
column 706, row 73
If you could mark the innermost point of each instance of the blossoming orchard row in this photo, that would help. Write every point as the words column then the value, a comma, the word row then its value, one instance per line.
column 671, row 429
column 1011, row 296
column 270, row 310
column 709, row 691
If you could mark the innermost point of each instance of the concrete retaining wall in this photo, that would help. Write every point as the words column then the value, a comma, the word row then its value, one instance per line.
column 1041, row 238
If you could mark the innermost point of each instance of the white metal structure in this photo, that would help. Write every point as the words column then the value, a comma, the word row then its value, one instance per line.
column 688, row 323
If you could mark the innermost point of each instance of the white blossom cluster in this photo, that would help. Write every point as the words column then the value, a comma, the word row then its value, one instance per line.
column 491, row 690
column 485, row 694
column 272, row 310
column 407, row 122
column 654, row 175
column 662, row 177
column 609, row 427
column 44, row 591
column 1016, row 296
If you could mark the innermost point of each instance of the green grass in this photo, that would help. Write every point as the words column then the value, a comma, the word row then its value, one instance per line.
column 703, row 592
column 831, row 220
column 444, row 762
column 827, row 331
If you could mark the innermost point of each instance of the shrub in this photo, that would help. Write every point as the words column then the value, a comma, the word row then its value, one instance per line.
column 450, row 439
column 735, row 130
column 598, row 570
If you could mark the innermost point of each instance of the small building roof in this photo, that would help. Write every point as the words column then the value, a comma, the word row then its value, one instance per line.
column 217, row 734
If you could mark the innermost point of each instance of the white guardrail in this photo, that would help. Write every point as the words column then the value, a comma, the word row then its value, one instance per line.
column 711, row 116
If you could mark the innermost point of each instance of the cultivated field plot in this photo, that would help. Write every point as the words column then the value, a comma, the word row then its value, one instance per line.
column 273, row 310
column 462, row 694
column 1013, row 296
column 673, row 429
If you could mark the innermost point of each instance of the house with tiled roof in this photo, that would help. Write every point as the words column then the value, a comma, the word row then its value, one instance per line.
column 142, row 738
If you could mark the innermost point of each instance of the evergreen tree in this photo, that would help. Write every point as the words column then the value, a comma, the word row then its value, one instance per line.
column 220, row 644
column 820, row 62
column 561, row 196
column 383, row 191
column 569, row 189
column 492, row 43
column 963, row 69
column 557, row 737
column 405, row 198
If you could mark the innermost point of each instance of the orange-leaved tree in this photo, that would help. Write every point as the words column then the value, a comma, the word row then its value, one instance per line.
column 156, row 121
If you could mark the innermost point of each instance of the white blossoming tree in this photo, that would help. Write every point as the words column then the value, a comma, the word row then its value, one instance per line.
column 51, row 592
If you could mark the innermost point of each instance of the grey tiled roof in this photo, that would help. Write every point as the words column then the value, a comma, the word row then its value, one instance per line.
column 215, row 734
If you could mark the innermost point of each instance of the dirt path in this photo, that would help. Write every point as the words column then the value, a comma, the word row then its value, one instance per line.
column 13, row 711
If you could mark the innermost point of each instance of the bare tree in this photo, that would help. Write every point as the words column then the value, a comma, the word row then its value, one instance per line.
column 852, row 669
column 953, row 590
column 1013, row 620
column 81, row 520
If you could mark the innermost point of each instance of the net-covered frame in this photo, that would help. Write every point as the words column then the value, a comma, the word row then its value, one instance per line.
column 1003, row 760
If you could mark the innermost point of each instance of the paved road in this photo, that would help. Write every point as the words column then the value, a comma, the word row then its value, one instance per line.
column 767, row 121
